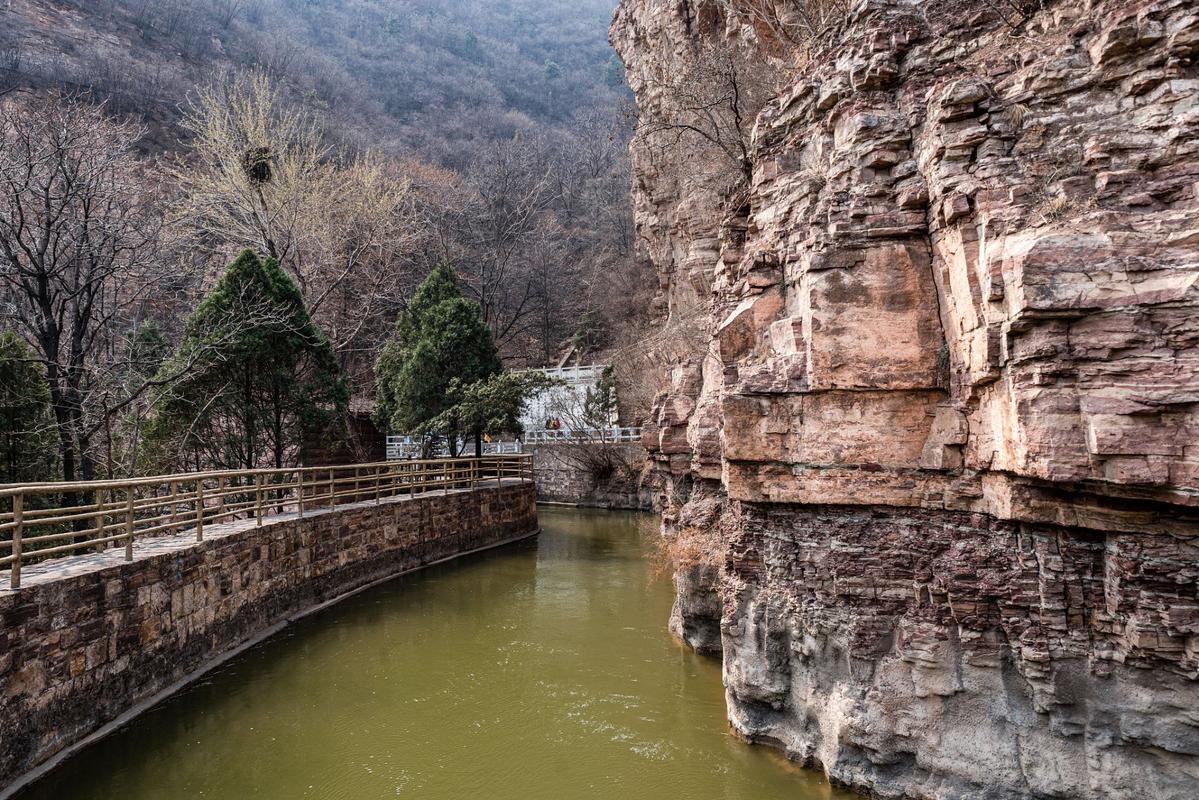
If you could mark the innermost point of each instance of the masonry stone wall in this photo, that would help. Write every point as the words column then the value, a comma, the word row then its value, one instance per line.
column 89, row 638
column 568, row 474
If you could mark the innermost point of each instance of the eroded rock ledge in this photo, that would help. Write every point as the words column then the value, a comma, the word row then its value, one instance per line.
column 947, row 423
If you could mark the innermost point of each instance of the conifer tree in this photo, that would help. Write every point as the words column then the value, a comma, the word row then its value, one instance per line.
column 26, row 425
column 260, row 378
column 492, row 405
column 441, row 337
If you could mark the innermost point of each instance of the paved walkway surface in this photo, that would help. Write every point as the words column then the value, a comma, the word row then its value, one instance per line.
column 150, row 546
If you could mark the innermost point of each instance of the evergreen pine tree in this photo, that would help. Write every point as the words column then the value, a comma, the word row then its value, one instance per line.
column 260, row 377
column 441, row 337
column 26, row 426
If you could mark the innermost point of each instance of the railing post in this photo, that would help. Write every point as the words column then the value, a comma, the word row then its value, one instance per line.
column 332, row 489
column 18, row 514
column 174, row 507
column 300, row 490
column 378, row 487
column 199, row 509
column 445, row 477
column 100, row 519
column 129, row 523
column 220, row 490
column 258, row 498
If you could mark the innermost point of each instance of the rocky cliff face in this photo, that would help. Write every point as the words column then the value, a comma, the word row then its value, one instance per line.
column 946, row 427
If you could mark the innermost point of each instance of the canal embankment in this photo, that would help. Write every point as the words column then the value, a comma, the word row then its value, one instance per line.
column 610, row 475
column 92, row 640
column 541, row 669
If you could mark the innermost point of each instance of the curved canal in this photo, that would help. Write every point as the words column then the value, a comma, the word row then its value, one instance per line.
column 539, row 670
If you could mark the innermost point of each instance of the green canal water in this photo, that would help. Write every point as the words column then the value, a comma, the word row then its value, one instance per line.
column 541, row 670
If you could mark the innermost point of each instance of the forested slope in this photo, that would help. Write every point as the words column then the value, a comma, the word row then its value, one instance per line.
column 358, row 143
column 439, row 76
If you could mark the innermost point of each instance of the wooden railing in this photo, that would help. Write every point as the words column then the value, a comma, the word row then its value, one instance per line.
column 43, row 520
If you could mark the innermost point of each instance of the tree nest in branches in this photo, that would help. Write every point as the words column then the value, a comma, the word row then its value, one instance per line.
column 256, row 163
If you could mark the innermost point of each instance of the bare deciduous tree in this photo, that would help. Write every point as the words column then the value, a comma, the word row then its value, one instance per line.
column 360, row 239
column 712, row 103
column 79, row 242
column 258, row 168
column 262, row 176
column 227, row 10
column 494, row 224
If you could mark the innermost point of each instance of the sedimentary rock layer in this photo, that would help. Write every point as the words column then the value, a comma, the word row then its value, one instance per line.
column 932, row 654
column 947, row 420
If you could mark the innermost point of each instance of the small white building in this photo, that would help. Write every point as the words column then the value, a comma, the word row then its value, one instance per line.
column 566, row 402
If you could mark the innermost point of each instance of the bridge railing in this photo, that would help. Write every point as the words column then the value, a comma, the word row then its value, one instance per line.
column 401, row 447
column 613, row 435
column 45, row 520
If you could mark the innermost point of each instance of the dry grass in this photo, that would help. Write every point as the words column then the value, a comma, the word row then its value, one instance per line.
column 1017, row 114
column 1056, row 208
column 687, row 548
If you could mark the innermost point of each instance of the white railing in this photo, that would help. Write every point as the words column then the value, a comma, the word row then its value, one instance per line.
column 614, row 435
column 580, row 374
column 401, row 448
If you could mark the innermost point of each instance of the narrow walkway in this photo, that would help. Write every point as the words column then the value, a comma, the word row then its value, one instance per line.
column 151, row 546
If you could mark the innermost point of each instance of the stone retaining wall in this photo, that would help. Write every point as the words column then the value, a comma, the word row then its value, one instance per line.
column 90, row 638
column 565, row 474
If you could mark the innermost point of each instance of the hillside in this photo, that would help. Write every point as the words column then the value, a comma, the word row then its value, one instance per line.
column 509, row 117
column 434, row 76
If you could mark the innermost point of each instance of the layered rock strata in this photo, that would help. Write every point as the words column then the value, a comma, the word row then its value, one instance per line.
column 948, row 412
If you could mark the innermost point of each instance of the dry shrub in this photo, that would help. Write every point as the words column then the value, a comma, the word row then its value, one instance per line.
column 1056, row 208
column 698, row 536
column 789, row 30
column 688, row 548
column 604, row 462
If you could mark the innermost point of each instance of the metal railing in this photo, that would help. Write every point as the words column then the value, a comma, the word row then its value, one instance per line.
column 44, row 520
column 583, row 435
column 576, row 374
column 402, row 447
column 399, row 447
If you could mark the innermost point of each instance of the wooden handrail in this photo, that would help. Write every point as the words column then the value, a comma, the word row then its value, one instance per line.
column 9, row 489
column 112, row 513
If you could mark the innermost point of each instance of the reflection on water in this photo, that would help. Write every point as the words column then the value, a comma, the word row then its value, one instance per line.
column 539, row 670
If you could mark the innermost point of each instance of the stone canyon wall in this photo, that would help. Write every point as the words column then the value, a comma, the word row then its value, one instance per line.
column 941, row 452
